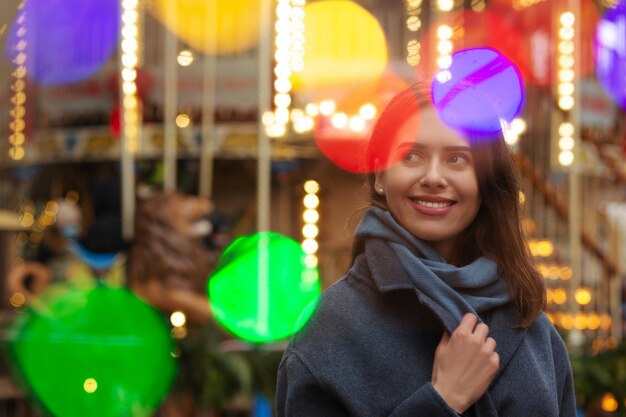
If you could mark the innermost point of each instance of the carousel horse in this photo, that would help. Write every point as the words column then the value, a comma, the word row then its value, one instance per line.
column 168, row 263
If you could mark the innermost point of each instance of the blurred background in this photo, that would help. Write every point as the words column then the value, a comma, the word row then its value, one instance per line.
column 155, row 155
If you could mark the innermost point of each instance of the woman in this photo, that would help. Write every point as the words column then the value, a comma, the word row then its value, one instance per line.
column 440, row 311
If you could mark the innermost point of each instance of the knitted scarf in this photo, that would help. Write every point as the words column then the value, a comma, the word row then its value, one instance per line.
column 452, row 291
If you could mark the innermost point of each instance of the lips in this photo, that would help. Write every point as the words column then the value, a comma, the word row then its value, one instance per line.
column 432, row 205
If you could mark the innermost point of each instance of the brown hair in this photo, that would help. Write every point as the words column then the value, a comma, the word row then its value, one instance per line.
column 496, row 231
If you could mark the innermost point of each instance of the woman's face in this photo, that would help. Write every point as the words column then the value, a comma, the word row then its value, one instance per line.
column 433, row 191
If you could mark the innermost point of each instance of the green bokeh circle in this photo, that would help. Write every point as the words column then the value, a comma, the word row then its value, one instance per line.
column 76, row 333
column 261, row 286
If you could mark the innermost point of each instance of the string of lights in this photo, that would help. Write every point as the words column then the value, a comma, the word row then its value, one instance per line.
column 17, row 125
column 413, row 24
column 130, row 60
column 311, row 217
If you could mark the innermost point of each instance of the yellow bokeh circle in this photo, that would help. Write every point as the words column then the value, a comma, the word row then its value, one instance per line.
column 344, row 46
column 211, row 26
column 609, row 403
column 583, row 296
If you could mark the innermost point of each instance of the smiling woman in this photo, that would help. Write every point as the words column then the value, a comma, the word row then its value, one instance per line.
column 440, row 312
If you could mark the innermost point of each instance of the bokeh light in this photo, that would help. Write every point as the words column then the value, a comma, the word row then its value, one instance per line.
column 609, row 403
column 185, row 58
column 183, row 120
column 582, row 296
column 536, row 23
column 260, row 287
column 211, row 26
column 85, row 350
column 178, row 319
column 345, row 47
column 580, row 321
column 311, row 186
column 311, row 201
column 90, row 385
column 559, row 296
column 346, row 145
column 593, row 321
column 486, row 29
column 485, row 91
column 567, row 321
column 66, row 40
column 609, row 53
column 310, row 216
column 310, row 231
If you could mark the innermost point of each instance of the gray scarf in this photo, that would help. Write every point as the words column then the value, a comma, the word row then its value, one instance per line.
column 452, row 290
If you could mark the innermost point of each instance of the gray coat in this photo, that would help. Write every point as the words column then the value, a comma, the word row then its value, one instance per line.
column 369, row 349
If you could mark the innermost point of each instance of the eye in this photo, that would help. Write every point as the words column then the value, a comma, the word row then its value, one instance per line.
column 413, row 156
column 459, row 159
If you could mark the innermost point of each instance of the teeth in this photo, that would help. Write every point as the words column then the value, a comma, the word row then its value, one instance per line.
column 432, row 204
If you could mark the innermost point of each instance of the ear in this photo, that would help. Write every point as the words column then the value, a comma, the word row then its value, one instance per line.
column 379, row 179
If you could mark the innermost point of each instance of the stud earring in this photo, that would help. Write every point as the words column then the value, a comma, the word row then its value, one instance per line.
column 380, row 190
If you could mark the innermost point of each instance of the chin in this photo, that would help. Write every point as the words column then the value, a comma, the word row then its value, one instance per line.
column 432, row 238
column 433, row 241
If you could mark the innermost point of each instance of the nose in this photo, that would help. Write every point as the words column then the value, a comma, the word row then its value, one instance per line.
column 433, row 176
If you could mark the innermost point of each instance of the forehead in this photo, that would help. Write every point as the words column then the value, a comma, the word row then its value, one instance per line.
column 426, row 128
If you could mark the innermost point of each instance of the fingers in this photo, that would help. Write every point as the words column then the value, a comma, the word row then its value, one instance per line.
column 465, row 363
column 481, row 331
column 469, row 325
column 490, row 344
column 468, row 322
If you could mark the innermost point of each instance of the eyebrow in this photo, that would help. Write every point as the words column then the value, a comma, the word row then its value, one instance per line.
column 446, row 148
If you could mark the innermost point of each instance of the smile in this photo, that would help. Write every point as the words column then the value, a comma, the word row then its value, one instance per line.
column 433, row 204
column 432, row 208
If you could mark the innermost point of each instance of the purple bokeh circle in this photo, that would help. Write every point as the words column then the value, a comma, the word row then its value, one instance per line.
column 610, row 52
column 64, row 41
column 481, row 91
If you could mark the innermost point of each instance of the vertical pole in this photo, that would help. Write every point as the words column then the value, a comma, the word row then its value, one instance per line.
column 575, row 228
column 264, row 146
column 209, row 72
column 129, row 131
column 616, row 236
column 170, row 105
column 264, row 166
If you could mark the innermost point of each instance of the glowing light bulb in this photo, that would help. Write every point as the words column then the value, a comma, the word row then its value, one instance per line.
column 90, row 385
column 327, row 107
column 311, row 186
column 583, row 296
column 367, row 111
column 178, row 319
column 310, row 231
column 310, row 216
column 185, row 58
column 183, row 120
column 566, row 158
column 311, row 201
column 566, row 129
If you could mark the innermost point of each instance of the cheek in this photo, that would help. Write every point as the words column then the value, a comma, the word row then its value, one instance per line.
column 397, row 188
column 401, row 178
column 468, row 187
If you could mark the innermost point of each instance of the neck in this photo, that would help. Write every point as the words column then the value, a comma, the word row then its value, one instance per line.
column 447, row 250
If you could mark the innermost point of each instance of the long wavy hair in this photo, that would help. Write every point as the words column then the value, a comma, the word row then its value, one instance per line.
column 496, row 231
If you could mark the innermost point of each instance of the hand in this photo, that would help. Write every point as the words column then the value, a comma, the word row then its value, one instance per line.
column 465, row 364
